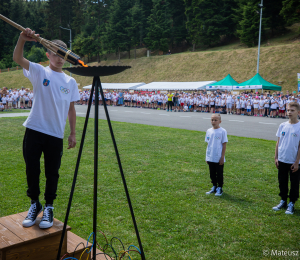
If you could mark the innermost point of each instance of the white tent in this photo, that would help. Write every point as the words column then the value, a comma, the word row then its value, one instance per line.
column 175, row 85
column 118, row 85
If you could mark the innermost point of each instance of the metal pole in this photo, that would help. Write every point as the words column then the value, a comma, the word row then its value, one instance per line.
column 259, row 40
column 70, row 48
column 97, row 84
column 70, row 42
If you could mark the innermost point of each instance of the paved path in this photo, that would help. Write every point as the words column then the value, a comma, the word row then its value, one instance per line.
column 256, row 127
column 13, row 114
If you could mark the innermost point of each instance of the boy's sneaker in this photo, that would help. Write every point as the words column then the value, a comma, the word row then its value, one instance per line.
column 47, row 219
column 35, row 209
column 219, row 192
column 282, row 204
column 290, row 208
column 213, row 190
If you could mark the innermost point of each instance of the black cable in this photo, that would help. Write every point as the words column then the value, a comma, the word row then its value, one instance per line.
column 78, row 246
column 111, row 242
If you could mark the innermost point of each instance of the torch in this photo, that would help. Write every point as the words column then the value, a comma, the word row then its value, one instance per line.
column 54, row 47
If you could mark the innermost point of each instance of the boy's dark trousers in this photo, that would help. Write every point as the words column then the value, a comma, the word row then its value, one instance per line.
column 216, row 174
column 34, row 144
column 284, row 171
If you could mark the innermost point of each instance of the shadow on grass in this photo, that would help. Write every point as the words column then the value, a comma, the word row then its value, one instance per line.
column 234, row 199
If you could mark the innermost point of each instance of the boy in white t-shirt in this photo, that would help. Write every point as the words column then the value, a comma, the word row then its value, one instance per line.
column 1, row 107
column 54, row 97
column 216, row 138
column 287, row 159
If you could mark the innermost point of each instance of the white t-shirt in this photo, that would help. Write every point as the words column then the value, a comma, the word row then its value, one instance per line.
column 289, row 142
column 53, row 93
column 215, row 139
column 273, row 103
column 229, row 99
column 22, row 92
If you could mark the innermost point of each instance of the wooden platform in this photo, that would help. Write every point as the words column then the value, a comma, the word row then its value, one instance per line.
column 33, row 243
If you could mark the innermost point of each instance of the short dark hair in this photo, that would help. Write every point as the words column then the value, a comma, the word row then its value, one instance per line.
column 59, row 42
column 295, row 105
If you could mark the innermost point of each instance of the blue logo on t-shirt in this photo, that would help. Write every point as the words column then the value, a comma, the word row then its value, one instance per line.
column 46, row 82
column 207, row 138
column 283, row 133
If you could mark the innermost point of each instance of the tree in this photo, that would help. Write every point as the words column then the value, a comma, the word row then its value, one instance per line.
column 4, row 29
column 272, row 17
column 216, row 20
column 178, row 26
column 116, row 32
column 36, row 54
column 159, row 29
column 58, row 13
column 52, row 18
column 291, row 11
column 193, row 23
column 135, row 24
column 147, row 6
column 249, row 25
column 208, row 20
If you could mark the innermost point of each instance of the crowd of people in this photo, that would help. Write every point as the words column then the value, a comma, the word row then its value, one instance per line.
column 224, row 102
column 15, row 98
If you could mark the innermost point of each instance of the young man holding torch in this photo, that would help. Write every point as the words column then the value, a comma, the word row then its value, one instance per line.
column 54, row 97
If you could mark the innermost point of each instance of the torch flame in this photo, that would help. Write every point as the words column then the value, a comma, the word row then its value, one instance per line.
column 82, row 63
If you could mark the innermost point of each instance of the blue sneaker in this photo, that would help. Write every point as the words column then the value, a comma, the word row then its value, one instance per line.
column 213, row 190
column 282, row 204
column 290, row 208
column 47, row 220
column 35, row 209
column 219, row 191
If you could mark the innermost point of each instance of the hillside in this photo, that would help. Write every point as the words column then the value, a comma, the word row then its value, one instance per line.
column 277, row 64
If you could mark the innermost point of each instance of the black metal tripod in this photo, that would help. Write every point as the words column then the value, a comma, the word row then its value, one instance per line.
column 96, row 72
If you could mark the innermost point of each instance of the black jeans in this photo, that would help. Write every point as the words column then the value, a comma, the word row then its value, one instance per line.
column 34, row 144
column 216, row 174
column 284, row 172
column 170, row 104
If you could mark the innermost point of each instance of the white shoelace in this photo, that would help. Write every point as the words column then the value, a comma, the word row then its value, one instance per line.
column 32, row 211
column 46, row 214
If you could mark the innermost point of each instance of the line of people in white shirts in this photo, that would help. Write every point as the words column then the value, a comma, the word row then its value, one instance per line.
column 16, row 99
column 243, row 104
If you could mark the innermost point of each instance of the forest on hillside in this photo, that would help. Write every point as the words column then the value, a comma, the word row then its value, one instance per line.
column 111, row 26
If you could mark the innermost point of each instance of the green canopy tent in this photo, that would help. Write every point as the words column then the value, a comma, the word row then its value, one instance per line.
column 225, row 84
column 257, row 82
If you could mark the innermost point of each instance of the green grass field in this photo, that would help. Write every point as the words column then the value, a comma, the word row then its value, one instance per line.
column 167, row 179
column 14, row 111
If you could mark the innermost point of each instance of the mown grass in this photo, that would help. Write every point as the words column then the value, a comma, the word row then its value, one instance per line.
column 167, row 179
column 14, row 111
